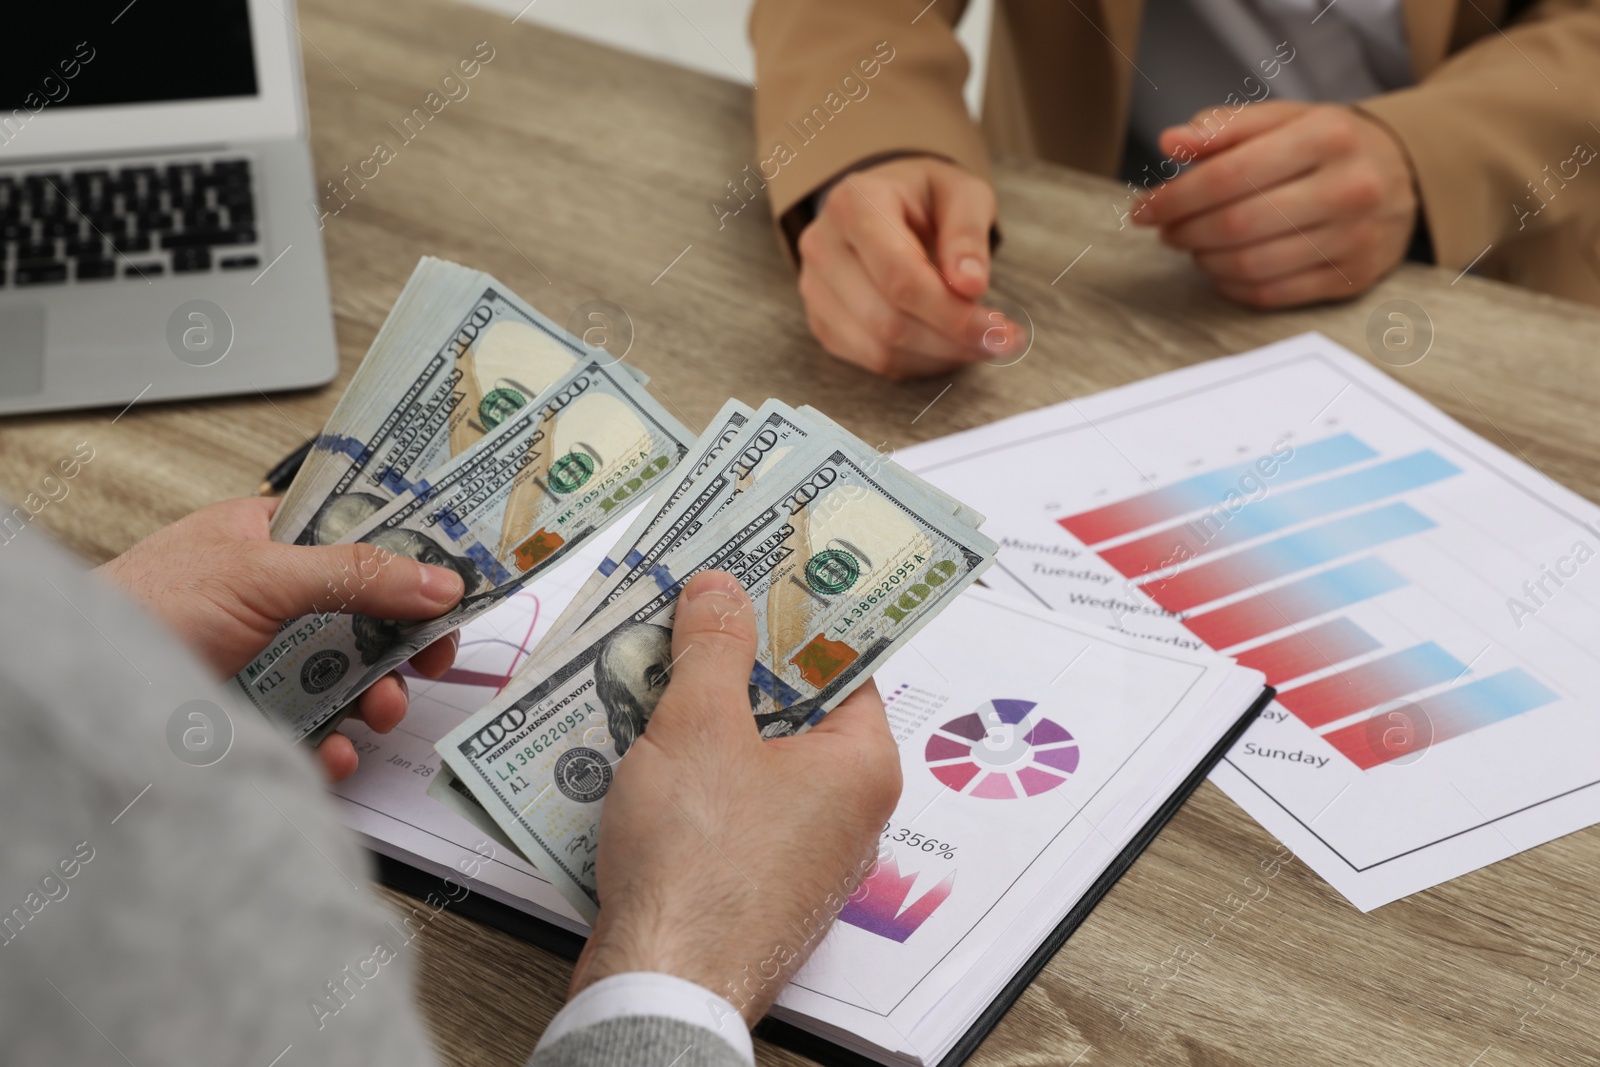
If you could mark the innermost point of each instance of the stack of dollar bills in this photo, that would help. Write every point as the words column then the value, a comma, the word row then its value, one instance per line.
column 477, row 435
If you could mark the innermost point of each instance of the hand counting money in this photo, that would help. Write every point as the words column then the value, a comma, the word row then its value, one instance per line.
column 478, row 435
column 844, row 556
column 500, row 513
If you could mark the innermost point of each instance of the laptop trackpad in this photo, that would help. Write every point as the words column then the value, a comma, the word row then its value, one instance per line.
column 21, row 349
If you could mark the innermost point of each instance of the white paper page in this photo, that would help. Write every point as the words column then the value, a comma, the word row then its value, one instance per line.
column 1027, row 739
column 1317, row 519
column 385, row 800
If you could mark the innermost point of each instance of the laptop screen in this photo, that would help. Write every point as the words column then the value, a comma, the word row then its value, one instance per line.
column 92, row 53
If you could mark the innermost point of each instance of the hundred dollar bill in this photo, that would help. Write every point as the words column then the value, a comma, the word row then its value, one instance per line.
column 725, row 428
column 704, row 494
column 826, row 426
column 500, row 514
column 730, row 427
column 775, row 432
column 844, row 558
column 456, row 356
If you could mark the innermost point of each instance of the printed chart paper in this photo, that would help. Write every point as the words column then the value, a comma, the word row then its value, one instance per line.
column 1033, row 748
column 1425, row 603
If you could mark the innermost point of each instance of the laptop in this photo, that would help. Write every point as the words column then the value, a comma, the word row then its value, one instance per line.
column 159, row 231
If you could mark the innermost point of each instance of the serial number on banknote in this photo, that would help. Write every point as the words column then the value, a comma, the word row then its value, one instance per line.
column 623, row 473
column 913, row 595
column 304, row 632
column 556, row 730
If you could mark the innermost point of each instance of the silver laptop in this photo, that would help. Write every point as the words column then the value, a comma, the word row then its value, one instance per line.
column 159, row 222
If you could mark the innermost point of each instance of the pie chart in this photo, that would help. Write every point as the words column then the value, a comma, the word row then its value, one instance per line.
column 1000, row 751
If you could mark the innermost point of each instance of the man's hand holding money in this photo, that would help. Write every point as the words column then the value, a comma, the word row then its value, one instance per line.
column 724, row 858
column 215, row 579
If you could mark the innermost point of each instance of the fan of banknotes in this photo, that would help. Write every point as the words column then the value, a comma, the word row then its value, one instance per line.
column 478, row 435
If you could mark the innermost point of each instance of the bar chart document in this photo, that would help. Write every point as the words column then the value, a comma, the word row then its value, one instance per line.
column 1034, row 748
column 1424, row 601
column 1037, row 750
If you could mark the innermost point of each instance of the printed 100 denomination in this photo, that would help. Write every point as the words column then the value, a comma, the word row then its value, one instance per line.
column 723, row 431
column 841, row 567
column 776, row 431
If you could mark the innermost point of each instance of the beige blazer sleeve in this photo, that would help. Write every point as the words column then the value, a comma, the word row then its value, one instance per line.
column 1510, row 109
column 841, row 81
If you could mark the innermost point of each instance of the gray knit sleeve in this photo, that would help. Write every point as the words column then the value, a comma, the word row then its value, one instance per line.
column 175, row 887
column 639, row 1041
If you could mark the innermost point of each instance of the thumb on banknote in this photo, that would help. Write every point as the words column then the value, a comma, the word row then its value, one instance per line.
column 716, row 847
column 293, row 580
column 220, row 584
column 713, row 649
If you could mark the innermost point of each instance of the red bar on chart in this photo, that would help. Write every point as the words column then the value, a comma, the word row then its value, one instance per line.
column 1294, row 603
column 1154, row 552
column 1359, row 688
column 1399, row 732
column 1247, row 520
column 1215, row 488
column 1326, row 645
column 1287, row 555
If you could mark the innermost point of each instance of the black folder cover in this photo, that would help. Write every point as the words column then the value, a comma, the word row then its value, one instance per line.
column 546, row 935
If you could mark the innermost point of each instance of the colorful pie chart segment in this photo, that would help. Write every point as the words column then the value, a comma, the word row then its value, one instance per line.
column 1000, row 751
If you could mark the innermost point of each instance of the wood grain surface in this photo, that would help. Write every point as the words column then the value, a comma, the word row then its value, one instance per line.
column 575, row 173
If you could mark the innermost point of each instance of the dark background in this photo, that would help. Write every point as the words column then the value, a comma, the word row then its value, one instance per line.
column 155, row 50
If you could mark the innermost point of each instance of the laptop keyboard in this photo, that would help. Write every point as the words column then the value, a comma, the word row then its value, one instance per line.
column 135, row 222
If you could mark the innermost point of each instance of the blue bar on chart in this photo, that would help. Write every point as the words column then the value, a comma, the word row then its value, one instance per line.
column 1191, row 587
column 1272, row 514
column 1212, row 488
column 1439, row 718
column 1294, row 603
column 1390, row 677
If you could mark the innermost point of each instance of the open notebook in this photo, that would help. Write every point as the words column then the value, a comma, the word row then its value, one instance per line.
column 1040, row 756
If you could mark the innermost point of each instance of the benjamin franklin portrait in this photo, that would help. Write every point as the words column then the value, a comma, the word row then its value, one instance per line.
column 374, row 637
column 339, row 515
column 630, row 675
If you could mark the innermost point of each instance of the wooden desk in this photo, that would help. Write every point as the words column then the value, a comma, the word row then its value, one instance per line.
column 580, row 173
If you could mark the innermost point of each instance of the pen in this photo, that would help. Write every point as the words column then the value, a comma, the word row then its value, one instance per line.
column 279, row 477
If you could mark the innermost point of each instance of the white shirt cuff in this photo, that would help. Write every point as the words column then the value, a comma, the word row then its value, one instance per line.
column 649, row 993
